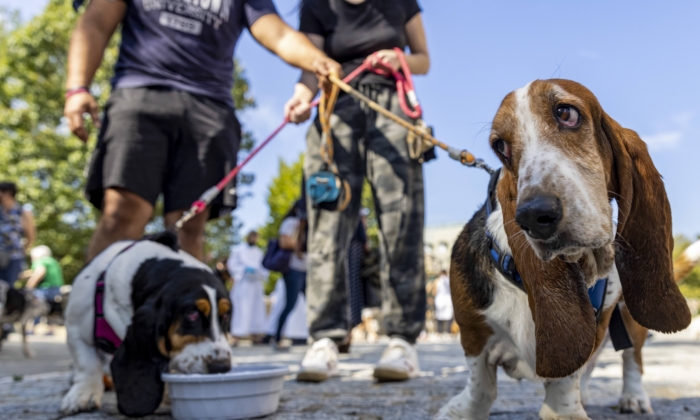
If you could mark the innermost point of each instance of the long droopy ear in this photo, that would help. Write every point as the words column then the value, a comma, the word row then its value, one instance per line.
column 644, row 236
column 565, row 324
column 137, row 366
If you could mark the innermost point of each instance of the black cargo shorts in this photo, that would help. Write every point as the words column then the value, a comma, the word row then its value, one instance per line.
column 160, row 140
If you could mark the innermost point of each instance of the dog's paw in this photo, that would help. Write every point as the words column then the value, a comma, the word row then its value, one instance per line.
column 457, row 411
column 82, row 397
column 28, row 353
column 546, row 413
column 634, row 403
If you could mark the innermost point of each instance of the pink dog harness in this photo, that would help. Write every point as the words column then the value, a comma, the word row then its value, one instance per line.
column 105, row 337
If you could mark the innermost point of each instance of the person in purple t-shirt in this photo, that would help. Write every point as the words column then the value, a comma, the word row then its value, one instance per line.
column 169, row 126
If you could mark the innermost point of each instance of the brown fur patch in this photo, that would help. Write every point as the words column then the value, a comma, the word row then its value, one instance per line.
column 637, row 333
column 204, row 306
column 224, row 306
column 176, row 342
column 565, row 326
column 473, row 328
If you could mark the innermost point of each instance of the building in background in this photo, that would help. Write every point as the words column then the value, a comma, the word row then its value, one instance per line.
column 438, row 241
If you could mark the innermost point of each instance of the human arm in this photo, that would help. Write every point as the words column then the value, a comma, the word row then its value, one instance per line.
column 297, row 108
column 293, row 47
column 418, row 60
column 29, row 228
column 37, row 276
column 87, row 45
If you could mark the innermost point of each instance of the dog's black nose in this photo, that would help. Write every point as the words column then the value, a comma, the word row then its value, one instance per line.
column 218, row 367
column 539, row 216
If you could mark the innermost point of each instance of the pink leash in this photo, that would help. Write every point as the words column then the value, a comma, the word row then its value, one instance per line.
column 404, row 88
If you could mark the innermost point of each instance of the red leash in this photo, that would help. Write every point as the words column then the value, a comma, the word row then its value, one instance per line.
column 404, row 88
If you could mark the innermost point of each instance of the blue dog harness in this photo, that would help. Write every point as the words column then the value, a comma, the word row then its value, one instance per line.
column 505, row 263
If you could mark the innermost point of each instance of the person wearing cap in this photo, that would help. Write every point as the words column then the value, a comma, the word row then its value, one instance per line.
column 45, row 276
column 169, row 125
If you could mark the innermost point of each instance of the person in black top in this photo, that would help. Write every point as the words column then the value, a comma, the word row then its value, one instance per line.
column 367, row 145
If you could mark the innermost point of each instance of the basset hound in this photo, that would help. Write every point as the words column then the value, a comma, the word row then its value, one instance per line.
column 158, row 310
column 551, row 225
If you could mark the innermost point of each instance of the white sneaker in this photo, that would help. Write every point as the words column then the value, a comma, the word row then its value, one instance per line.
column 399, row 362
column 320, row 362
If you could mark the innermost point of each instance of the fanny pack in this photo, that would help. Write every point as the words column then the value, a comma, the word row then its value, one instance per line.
column 324, row 189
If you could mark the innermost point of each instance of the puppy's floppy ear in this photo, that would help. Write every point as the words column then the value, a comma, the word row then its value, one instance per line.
column 644, row 236
column 565, row 324
column 137, row 366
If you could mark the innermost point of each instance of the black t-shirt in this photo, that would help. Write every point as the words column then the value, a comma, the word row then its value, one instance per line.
column 354, row 31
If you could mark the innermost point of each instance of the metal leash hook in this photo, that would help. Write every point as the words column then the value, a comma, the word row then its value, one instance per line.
column 198, row 206
column 467, row 159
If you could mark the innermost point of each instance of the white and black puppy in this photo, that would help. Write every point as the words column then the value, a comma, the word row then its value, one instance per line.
column 169, row 311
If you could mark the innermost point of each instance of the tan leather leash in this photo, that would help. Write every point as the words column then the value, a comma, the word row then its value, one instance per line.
column 421, row 132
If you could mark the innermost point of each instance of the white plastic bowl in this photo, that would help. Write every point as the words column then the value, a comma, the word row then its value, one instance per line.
column 244, row 392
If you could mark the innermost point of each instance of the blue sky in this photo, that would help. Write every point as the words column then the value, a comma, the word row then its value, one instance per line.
column 639, row 58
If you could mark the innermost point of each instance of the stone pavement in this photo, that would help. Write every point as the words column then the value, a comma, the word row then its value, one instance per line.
column 672, row 379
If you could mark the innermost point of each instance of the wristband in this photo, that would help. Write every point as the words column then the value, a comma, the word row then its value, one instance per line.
column 79, row 89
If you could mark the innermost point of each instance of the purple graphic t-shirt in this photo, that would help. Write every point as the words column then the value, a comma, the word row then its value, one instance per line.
column 184, row 44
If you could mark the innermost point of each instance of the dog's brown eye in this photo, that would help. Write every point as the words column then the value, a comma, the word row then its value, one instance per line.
column 567, row 115
column 502, row 148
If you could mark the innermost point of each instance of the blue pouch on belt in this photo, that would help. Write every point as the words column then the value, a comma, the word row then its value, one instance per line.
column 324, row 189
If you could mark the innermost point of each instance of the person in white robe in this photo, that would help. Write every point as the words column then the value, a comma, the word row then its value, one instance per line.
column 248, row 294
column 444, row 312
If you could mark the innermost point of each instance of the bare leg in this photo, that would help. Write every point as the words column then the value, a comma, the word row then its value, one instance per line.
column 28, row 353
column 474, row 403
column 191, row 236
column 124, row 216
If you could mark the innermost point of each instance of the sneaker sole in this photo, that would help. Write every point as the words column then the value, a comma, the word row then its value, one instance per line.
column 390, row 375
column 310, row 376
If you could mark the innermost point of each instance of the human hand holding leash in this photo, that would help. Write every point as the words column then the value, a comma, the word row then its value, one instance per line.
column 385, row 58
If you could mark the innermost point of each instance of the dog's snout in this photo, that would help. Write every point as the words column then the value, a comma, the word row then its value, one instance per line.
column 539, row 216
column 219, row 366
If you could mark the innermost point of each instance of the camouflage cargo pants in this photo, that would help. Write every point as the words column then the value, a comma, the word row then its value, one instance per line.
column 368, row 145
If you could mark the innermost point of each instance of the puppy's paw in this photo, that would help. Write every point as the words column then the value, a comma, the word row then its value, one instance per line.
column 637, row 404
column 82, row 397
column 28, row 353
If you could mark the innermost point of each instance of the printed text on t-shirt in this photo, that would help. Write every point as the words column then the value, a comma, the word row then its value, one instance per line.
column 210, row 12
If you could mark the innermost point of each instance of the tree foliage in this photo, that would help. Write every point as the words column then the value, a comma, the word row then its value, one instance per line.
column 690, row 286
column 36, row 149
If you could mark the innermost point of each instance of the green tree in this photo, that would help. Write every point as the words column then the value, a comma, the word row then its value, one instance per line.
column 36, row 149
column 690, row 286
column 283, row 191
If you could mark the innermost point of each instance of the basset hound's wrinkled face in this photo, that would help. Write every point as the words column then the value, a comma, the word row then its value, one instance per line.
column 545, row 135
column 195, row 338
column 564, row 159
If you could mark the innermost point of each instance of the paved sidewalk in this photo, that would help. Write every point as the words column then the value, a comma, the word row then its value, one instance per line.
column 672, row 378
